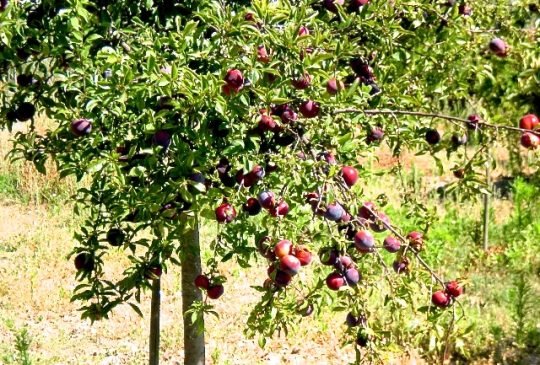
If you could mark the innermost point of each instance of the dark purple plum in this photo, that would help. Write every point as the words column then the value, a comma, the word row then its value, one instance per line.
column 81, row 127
column 162, row 138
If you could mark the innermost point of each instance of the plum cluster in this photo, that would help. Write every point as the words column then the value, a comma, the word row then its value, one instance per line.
column 214, row 289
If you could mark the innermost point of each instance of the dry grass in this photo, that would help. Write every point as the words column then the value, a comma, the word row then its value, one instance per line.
column 36, row 283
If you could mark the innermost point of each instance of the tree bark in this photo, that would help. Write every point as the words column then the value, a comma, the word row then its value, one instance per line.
column 194, row 351
column 154, row 322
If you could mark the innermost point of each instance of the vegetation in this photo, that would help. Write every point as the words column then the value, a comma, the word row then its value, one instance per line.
column 268, row 117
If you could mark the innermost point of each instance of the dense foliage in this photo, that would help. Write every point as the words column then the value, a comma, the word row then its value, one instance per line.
column 170, row 110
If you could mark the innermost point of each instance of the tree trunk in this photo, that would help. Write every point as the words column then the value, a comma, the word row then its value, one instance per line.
column 154, row 322
column 191, row 267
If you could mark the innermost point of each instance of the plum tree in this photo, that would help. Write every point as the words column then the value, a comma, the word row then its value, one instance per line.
column 182, row 113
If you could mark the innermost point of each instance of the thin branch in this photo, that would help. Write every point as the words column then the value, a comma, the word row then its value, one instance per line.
column 344, row 190
column 404, row 240
column 426, row 114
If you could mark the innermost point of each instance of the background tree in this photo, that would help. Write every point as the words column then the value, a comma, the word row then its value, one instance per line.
column 255, row 113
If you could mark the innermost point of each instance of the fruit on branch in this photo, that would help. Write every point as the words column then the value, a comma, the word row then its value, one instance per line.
column 3, row 5
column 215, row 291
column 416, row 240
column 366, row 210
column 252, row 206
column 302, row 83
column 81, row 127
column 303, row 255
column 267, row 199
column 352, row 276
column 363, row 70
column 303, row 31
column 289, row 264
column 334, row 86
column 283, row 248
column 458, row 140
column 498, row 47
column 281, row 209
column 353, row 321
column 364, row 241
column 459, row 173
column 277, row 110
column 380, row 223
column 282, row 279
column 312, row 198
column 267, row 123
column 345, row 217
column 330, row 5
column 334, row 212
column 24, row 80
column 473, row 121
column 284, row 139
column 246, row 180
column 11, row 115
column 362, row 338
column 433, row 136
column 465, row 10
column 375, row 134
column 401, row 266
column 453, row 289
column 257, row 172
column 234, row 80
column 115, row 237
column 162, row 138
column 328, row 256
column 328, row 157
column 335, row 280
column 202, row 282
column 271, row 166
column 153, row 272
column 441, row 299
column 225, row 213
column 344, row 263
column 262, row 55
column 391, row 244
column 309, row 109
column 288, row 116
column 269, row 284
column 164, row 103
column 350, row 175
column 197, row 177
column 25, row 111
column 529, row 121
column 356, row 5
column 530, row 140
column 84, row 262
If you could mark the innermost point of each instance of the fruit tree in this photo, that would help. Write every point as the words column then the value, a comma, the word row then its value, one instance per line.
column 255, row 114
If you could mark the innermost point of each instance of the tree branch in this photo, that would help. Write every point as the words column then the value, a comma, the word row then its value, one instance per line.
column 426, row 114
